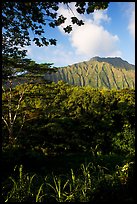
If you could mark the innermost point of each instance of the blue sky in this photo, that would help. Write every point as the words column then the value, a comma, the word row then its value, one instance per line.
column 106, row 33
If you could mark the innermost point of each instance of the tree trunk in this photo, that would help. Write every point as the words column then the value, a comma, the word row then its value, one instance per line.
column 11, row 137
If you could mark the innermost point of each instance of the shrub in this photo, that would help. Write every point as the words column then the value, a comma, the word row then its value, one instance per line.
column 124, row 142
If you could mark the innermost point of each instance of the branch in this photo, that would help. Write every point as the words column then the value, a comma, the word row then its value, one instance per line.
column 18, row 106
column 4, row 120
column 70, row 9
column 9, row 101
column 3, row 89
column 24, row 117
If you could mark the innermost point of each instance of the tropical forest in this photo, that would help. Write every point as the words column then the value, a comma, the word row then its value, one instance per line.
column 68, row 133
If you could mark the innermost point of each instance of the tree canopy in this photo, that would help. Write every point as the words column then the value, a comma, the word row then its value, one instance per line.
column 78, row 117
column 20, row 19
column 14, row 66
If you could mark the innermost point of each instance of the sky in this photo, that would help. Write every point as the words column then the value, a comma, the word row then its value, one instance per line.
column 105, row 33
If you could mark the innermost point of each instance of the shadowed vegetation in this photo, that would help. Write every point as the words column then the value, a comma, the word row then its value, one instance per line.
column 77, row 140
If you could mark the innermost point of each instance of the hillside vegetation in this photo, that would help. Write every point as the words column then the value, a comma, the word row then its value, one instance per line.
column 65, row 143
column 109, row 73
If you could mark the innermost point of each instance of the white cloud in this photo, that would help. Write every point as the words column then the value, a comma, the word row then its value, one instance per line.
column 86, row 41
column 131, row 25
column 59, row 55
column 100, row 15
column 128, row 11
column 92, row 38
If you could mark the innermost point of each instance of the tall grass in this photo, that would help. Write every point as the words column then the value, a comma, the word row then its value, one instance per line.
column 89, row 183
column 22, row 188
column 58, row 189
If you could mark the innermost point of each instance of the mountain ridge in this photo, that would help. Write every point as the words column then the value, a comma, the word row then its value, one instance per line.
column 98, row 73
column 115, row 61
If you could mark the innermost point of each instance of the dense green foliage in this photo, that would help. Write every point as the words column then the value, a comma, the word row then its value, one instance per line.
column 73, row 116
column 55, row 121
column 70, row 143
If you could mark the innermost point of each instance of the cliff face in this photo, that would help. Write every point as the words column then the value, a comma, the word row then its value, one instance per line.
column 98, row 73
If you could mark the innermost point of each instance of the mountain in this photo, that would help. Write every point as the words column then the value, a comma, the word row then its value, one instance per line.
column 116, row 62
column 109, row 73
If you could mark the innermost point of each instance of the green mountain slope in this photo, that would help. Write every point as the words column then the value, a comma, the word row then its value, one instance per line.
column 110, row 73
column 116, row 62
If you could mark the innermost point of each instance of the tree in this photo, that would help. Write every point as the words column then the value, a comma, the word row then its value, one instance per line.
column 19, row 19
column 19, row 104
column 12, row 67
column 11, row 111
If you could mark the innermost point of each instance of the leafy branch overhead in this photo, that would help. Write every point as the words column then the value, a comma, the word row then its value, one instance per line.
column 19, row 19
